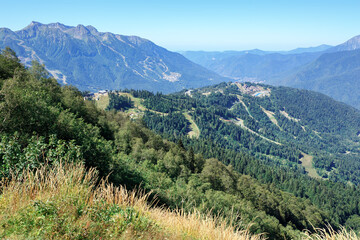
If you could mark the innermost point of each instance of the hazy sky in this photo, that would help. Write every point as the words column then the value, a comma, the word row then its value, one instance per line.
column 201, row 25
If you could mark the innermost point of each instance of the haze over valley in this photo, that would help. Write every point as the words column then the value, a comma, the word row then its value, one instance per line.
column 180, row 120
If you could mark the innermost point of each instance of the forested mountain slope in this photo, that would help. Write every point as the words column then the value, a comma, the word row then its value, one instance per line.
column 335, row 74
column 303, row 142
column 42, row 122
column 333, row 71
column 281, row 123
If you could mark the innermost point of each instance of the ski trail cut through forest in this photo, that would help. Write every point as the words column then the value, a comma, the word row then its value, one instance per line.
column 195, row 131
column 307, row 163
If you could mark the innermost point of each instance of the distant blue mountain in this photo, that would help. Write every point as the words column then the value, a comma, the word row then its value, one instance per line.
column 93, row 60
column 351, row 44
column 320, row 48
column 255, row 65
column 336, row 74
column 334, row 71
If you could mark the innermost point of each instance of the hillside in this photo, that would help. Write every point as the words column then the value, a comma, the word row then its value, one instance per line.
column 283, row 123
column 92, row 60
column 44, row 123
column 102, row 211
column 333, row 71
column 335, row 74
column 302, row 142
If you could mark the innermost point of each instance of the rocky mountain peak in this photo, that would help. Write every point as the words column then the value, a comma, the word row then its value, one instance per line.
column 351, row 44
column 81, row 29
column 92, row 29
column 5, row 31
column 137, row 41
column 92, row 60
column 58, row 25
column 79, row 32
column 33, row 25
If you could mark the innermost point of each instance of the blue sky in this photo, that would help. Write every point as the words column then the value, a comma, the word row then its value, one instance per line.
column 201, row 25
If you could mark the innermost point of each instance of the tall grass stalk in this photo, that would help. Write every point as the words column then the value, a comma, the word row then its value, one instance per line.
column 64, row 202
column 331, row 234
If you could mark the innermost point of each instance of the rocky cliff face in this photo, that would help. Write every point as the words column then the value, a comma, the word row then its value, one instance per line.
column 351, row 44
column 92, row 60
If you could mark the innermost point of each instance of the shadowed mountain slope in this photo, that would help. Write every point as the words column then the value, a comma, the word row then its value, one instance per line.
column 93, row 60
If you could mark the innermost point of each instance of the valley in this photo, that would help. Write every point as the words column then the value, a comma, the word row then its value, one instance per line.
column 228, row 105
column 208, row 144
column 333, row 71
column 233, row 122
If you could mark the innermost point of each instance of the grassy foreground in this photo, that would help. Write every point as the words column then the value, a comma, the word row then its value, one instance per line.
column 64, row 202
column 330, row 234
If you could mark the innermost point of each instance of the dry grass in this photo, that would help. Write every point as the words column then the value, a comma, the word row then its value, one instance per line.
column 198, row 226
column 331, row 234
column 63, row 202
column 45, row 184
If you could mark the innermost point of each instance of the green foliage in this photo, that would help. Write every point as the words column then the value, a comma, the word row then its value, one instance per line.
column 61, row 219
column 41, row 121
column 276, row 165
column 15, row 157
column 118, row 102
column 172, row 125
column 353, row 222
column 9, row 63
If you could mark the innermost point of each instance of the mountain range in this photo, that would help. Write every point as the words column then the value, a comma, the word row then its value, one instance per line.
column 92, row 60
column 330, row 70
column 336, row 74
column 283, row 160
column 254, row 65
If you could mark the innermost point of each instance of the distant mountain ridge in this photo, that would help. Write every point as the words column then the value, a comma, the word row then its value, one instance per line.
column 93, row 60
column 256, row 65
column 334, row 71
column 253, row 65
column 336, row 74
column 320, row 48
column 351, row 44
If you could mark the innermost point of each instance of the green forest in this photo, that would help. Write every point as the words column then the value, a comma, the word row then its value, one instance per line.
column 326, row 129
column 227, row 170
